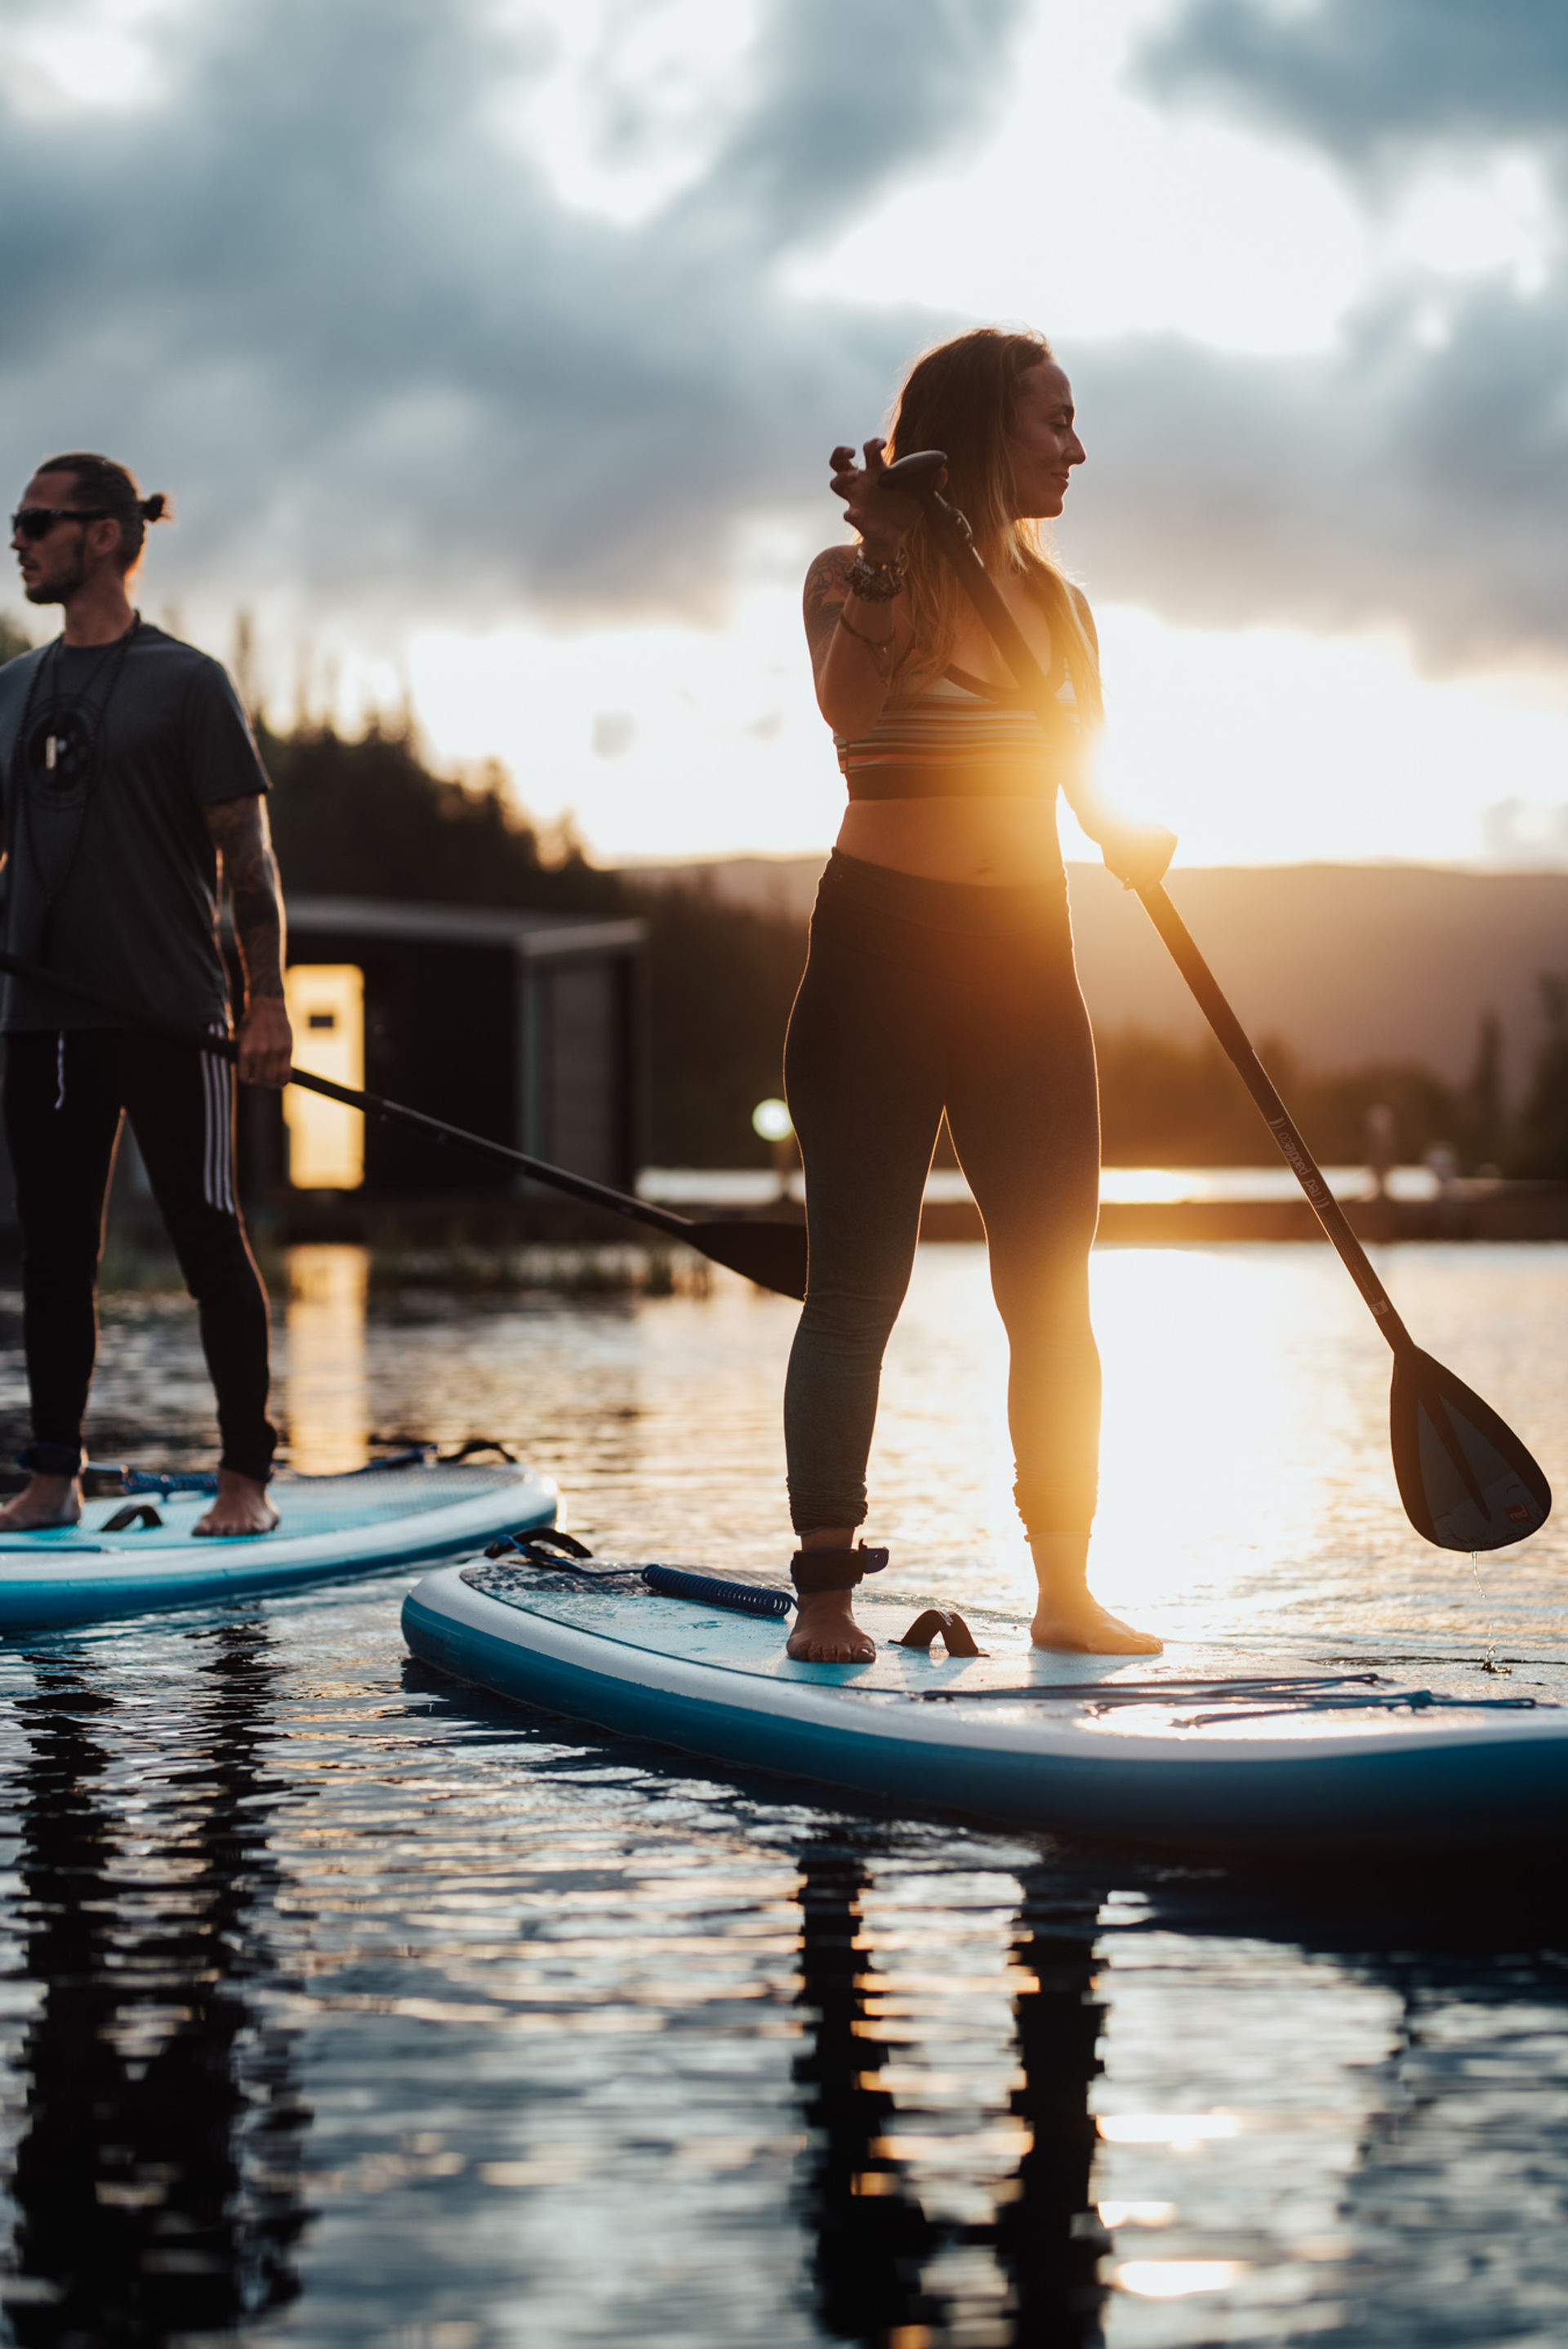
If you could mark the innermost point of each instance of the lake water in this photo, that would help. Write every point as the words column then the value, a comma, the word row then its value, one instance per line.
column 338, row 2004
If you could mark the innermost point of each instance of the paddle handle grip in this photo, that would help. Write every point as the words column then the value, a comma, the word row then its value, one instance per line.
column 952, row 533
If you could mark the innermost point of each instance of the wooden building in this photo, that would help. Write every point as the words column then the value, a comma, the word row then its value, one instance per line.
column 527, row 1027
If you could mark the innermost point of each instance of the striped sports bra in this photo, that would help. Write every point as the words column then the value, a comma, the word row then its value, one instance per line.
column 962, row 738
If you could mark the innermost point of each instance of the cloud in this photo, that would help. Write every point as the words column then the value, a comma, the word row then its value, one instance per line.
column 309, row 276
column 1366, row 77
column 1387, row 484
column 316, row 286
column 1413, row 477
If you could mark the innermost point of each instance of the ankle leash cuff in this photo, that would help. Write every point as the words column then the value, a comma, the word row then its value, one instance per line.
column 834, row 1569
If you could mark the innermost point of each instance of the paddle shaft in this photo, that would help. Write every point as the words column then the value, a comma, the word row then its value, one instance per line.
column 538, row 1170
column 952, row 533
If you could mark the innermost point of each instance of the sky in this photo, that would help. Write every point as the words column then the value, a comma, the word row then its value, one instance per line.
column 492, row 351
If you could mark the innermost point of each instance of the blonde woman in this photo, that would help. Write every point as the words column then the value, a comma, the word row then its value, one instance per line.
column 941, row 976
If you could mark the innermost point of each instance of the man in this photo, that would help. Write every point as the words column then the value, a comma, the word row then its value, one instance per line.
column 128, row 777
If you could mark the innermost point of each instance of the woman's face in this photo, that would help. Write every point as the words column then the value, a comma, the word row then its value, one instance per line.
column 1042, row 444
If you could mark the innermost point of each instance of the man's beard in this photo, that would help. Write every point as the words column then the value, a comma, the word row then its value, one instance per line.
column 61, row 590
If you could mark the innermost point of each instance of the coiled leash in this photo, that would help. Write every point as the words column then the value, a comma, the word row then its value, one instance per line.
column 840, row 1570
column 566, row 1553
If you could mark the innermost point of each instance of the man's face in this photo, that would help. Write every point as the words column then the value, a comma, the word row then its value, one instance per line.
column 54, row 568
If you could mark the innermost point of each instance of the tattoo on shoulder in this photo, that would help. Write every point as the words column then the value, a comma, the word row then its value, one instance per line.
column 826, row 592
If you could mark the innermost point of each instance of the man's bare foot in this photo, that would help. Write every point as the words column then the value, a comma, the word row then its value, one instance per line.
column 1079, row 1624
column 45, row 1501
column 826, row 1631
column 242, row 1507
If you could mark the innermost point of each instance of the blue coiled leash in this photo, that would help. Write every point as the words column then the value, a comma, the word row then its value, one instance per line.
column 712, row 1591
column 566, row 1554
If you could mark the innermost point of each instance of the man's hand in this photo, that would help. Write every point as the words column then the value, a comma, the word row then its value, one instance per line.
column 265, row 1041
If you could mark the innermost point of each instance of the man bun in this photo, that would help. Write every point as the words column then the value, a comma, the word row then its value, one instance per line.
column 100, row 482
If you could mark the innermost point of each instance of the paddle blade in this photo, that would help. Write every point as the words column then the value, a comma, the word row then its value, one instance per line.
column 1466, row 1480
column 772, row 1255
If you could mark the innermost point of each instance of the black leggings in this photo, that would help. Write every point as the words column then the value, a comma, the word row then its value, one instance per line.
column 66, row 1093
column 920, row 996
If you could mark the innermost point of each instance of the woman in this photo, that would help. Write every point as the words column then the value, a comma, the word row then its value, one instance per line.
column 941, row 976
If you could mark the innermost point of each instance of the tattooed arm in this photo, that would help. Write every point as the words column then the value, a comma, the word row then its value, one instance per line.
column 857, row 643
column 853, row 657
column 239, row 832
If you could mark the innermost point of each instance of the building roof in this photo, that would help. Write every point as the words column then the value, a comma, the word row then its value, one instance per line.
column 536, row 936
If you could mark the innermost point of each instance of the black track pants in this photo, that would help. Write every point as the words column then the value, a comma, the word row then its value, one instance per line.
column 65, row 1093
column 920, row 996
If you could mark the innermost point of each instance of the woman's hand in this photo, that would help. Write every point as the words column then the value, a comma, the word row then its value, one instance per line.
column 884, row 518
column 1138, row 853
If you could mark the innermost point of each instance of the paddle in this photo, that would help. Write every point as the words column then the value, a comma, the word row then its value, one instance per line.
column 1466, row 1480
column 773, row 1255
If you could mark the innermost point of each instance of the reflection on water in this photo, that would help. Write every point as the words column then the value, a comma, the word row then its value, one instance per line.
column 154, row 2176
column 338, row 2004
column 324, row 1400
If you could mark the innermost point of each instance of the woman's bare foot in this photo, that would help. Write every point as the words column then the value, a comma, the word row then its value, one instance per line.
column 1069, row 1615
column 242, row 1507
column 45, row 1501
column 826, row 1631
column 1083, row 1626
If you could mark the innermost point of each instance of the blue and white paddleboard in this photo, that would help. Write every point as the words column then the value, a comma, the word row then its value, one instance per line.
column 406, row 1513
column 1197, row 1748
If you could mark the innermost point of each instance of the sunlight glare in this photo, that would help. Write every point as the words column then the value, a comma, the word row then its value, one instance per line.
column 1271, row 745
column 1174, row 2279
column 1179, row 2131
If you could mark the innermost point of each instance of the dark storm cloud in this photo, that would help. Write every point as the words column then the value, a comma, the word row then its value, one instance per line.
column 1361, row 77
column 1419, row 475
column 847, row 96
column 1388, row 485
column 318, row 291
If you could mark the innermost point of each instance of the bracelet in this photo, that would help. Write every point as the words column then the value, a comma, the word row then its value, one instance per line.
column 876, row 583
column 872, row 644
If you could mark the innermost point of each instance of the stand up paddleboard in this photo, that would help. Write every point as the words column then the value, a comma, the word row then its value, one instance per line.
column 1193, row 1749
column 134, row 1550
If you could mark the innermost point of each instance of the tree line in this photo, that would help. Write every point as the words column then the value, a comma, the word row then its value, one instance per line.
column 366, row 816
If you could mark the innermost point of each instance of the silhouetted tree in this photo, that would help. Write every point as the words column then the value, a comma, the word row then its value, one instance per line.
column 1486, row 1110
column 1540, row 1145
column 721, row 980
column 13, row 638
column 369, row 819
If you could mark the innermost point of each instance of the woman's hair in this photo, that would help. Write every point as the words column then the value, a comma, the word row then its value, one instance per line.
column 101, row 482
column 962, row 398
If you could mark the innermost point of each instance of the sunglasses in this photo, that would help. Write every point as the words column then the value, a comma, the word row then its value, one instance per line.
column 37, row 522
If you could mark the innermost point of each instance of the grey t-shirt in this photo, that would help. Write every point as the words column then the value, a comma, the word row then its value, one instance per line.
column 112, row 879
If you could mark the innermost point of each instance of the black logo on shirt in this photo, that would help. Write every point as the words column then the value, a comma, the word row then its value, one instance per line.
column 62, row 747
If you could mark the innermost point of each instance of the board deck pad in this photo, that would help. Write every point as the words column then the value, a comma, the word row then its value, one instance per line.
column 734, row 1643
column 1202, row 1745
